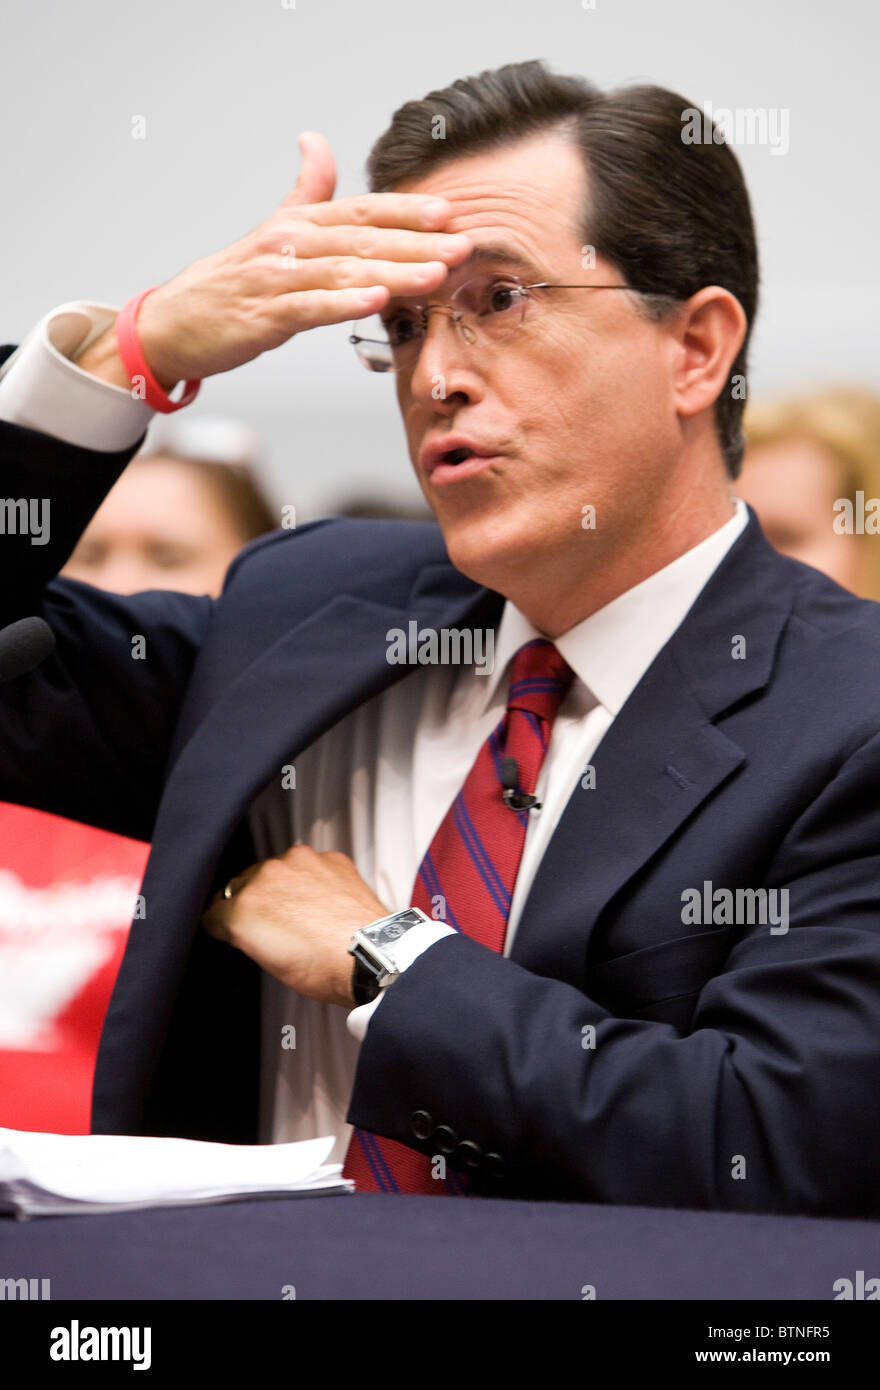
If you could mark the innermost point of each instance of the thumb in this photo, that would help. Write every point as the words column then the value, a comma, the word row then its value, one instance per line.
column 317, row 175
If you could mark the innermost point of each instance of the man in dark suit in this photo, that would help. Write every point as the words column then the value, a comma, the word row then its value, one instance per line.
column 641, row 826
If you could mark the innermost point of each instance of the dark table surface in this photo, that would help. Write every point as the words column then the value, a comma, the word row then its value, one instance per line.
column 434, row 1248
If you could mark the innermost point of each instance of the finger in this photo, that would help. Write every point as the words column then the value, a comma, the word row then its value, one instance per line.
column 317, row 175
column 304, row 309
column 299, row 850
column 418, row 211
column 348, row 272
column 235, row 885
column 302, row 238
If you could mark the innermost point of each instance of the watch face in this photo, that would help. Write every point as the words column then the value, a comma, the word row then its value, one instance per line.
column 392, row 931
column 385, row 933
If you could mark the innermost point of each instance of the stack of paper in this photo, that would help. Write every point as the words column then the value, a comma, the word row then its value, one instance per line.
column 56, row 1174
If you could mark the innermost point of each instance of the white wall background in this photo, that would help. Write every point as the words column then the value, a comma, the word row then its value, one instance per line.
column 226, row 85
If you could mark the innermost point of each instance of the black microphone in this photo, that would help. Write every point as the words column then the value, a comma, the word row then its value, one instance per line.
column 512, row 796
column 23, row 645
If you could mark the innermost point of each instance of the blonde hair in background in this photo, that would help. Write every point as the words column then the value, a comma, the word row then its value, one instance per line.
column 845, row 422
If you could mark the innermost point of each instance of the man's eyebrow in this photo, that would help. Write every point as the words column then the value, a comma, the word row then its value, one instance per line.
column 484, row 254
column 494, row 254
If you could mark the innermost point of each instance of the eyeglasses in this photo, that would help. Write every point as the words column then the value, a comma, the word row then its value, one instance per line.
column 487, row 309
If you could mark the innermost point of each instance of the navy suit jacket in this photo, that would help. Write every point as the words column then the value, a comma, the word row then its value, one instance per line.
column 733, row 1067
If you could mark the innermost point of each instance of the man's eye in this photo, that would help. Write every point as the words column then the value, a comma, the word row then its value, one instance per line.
column 403, row 328
column 500, row 298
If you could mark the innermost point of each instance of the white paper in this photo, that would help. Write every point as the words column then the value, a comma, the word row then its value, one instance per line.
column 43, row 1174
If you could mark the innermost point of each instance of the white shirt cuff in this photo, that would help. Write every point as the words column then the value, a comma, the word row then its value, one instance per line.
column 403, row 952
column 42, row 389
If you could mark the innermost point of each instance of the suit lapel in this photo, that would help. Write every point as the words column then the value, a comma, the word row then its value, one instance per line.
column 660, row 759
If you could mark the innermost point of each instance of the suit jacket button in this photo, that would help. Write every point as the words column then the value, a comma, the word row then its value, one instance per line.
column 445, row 1139
column 469, row 1153
column 494, row 1165
column 421, row 1124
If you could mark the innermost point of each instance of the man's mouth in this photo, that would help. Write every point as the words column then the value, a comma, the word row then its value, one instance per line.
column 454, row 459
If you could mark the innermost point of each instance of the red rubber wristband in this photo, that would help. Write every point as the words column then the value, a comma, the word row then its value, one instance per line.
column 135, row 363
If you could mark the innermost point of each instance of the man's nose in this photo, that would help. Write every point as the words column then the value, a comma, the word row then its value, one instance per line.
column 443, row 372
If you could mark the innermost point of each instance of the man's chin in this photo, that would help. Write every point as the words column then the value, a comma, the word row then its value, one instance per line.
column 486, row 550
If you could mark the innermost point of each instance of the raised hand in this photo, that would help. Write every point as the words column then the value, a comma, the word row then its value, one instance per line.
column 312, row 262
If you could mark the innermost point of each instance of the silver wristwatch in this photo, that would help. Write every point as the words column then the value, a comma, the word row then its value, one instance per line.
column 372, row 948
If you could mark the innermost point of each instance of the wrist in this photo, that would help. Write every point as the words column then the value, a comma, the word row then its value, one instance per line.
column 130, row 347
column 102, row 360
column 150, row 333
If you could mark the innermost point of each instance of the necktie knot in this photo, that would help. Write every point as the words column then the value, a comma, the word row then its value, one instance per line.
column 539, row 679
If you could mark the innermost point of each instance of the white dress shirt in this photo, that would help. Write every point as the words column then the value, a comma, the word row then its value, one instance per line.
column 377, row 785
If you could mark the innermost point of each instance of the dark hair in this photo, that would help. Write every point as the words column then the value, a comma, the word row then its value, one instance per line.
column 672, row 216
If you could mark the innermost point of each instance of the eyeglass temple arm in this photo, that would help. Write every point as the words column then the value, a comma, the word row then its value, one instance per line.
column 545, row 285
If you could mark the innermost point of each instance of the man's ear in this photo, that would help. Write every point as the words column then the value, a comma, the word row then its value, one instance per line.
column 709, row 332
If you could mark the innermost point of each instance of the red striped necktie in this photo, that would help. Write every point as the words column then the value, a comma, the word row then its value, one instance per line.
column 468, row 874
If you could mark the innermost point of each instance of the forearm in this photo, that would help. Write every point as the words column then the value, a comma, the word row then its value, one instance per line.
column 584, row 1105
column 88, row 733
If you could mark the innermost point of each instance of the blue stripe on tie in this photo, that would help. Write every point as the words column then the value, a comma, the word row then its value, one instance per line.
column 375, row 1169
column 486, row 869
column 376, row 1144
column 428, row 874
column 455, row 1182
column 495, row 750
column 477, row 850
column 535, row 683
column 537, row 727
column 377, row 1176
column 377, row 1162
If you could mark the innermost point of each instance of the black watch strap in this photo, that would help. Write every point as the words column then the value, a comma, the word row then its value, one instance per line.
column 364, row 980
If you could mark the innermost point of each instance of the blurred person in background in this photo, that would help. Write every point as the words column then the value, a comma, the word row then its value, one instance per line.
column 804, row 454
column 181, row 511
